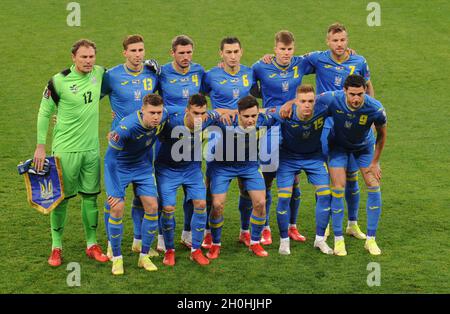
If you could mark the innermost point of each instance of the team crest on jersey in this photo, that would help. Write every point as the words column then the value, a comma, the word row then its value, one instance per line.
column 185, row 93
column 338, row 80
column 115, row 137
column 47, row 93
column 235, row 93
column 285, row 86
column 348, row 124
column 306, row 134
column 137, row 95
column 94, row 80
column 74, row 88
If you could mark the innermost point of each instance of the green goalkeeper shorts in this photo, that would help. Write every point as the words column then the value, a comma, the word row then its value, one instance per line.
column 81, row 172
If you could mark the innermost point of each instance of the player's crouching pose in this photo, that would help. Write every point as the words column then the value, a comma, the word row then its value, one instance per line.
column 301, row 149
column 179, row 164
column 127, row 161
column 236, row 157
column 353, row 113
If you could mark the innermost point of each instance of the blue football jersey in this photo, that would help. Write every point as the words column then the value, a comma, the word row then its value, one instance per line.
column 226, row 89
column 236, row 146
column 352, row 127
column 279, row 84
column 330, row 74
column 176, row 88
column 126, row 89
column 133, row 140
column 301, row 137
column 171, row 136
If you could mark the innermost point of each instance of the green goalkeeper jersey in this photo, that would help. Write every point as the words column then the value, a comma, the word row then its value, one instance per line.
column 76, row 98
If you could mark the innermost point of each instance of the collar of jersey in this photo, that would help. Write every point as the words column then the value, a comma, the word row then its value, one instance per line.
column 132, row 72
column 182, row 73
column 73, row 70
column 279, row 67
column 353, row 109
column 233, row 74
column 330, row 54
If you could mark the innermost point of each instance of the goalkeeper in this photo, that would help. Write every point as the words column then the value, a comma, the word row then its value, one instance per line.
column 75, row 94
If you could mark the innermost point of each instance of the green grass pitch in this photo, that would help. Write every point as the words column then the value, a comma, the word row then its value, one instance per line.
column 409, row 56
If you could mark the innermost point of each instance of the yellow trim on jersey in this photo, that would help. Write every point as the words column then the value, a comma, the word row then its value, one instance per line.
column 132, row 73
column 340, row 62
column 115, row 147
column 353, row 109
column 280, row 67
column 233, row 73
column 182, row 73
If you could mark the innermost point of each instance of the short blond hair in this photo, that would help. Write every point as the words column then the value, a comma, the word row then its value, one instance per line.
column 285, row 37
column 305, row 88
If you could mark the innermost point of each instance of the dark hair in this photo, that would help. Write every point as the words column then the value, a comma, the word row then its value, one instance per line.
column 153, row 100
column 355, row 80
column 247, row 102
column 305, row 88
column 182, row 40
column 85, row 43
column 229, row 41
column 132, row 39
column 284, row 37
column 336, row 28
column 197, row 100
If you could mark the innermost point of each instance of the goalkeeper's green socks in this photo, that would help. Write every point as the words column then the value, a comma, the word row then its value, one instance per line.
column 58, row 218
column 89, row 212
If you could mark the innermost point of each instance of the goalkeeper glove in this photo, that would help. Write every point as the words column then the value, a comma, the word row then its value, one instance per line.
column 153, row 66
column 28, row 166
